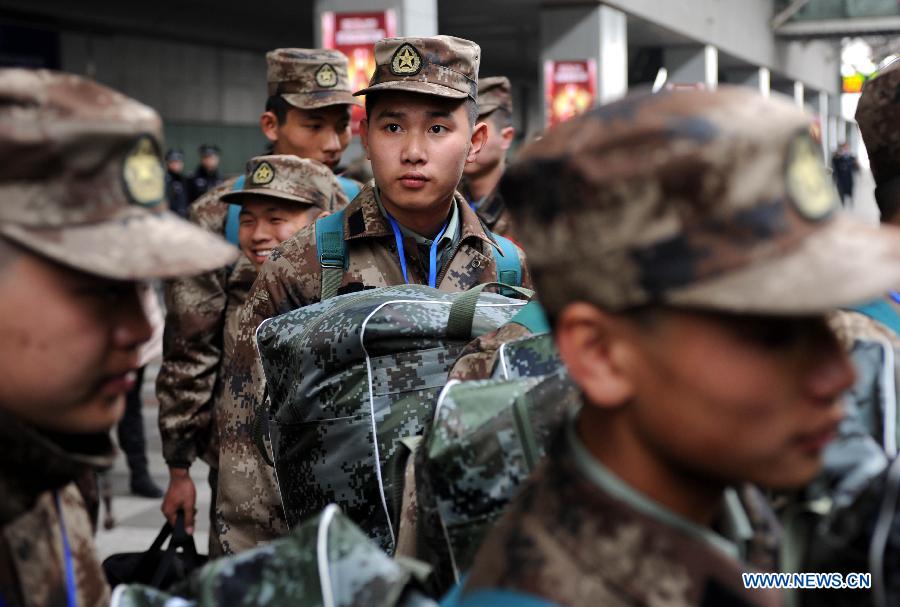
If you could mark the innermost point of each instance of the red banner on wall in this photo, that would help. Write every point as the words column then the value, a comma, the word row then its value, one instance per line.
column 355, row 35
column 570, row 88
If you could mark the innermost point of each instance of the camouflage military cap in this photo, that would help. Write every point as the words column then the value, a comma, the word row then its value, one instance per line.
column 705, row 199
column 87, row 186
column 878, row 115
column 290, row 178
column 494, row 92
column 309, row 78
column 443, row 66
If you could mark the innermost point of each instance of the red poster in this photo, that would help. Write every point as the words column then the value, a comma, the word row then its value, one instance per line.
column 570, row 88
column 355, row 35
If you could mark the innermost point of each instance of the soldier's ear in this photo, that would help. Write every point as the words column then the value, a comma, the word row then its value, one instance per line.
column 268, row 124
column 479, row 137
column 507, row 134
column 364, row 136
column 593, row 348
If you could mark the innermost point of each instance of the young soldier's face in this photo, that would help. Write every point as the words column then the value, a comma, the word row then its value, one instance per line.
column 68, row 345
column 267, row 222
column 714, row 396
column 321, row 134
column 418, row 145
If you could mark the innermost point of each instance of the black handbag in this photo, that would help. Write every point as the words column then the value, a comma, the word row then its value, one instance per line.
column 157, row 567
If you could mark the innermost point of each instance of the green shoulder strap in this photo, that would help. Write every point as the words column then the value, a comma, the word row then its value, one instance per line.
column 332, row 251
column 509, row 270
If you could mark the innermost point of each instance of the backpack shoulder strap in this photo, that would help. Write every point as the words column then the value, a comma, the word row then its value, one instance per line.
column 234, row 212
column 509, row 270
column 532, row 317
column 332, row 252
column 351, row 187
column 881, row 311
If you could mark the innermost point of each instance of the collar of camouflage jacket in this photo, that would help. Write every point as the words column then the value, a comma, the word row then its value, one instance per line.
column 735, row 531
column 34, row 463
column 363, row 219
column 489, row 208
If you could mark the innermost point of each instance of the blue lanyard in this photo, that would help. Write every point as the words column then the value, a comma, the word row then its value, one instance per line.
column 895, row 296
column 432, row 254
column 71, row 594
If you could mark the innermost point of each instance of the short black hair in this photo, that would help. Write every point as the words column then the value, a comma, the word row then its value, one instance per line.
column 471, row 107
column 501, row 117
column 278, row 106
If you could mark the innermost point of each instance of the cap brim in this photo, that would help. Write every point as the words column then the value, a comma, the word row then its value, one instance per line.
column 236, row 197
column 311, row 101
column 415, row 86
column 843, row 264
column 134, row 245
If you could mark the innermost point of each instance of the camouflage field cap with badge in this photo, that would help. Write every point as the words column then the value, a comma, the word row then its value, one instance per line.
column 494, row 92
column 86, row 187
column 309, row 78
column 288, row 177
column 444, row 66
column 705, row 199
column 878, row 116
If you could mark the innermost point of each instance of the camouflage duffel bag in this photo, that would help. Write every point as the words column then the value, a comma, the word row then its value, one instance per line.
column 325, row 562
column 486, row 437
column 349, row 378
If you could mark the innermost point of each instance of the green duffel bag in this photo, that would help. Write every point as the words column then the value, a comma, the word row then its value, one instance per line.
column 532, row 356
column 352, row 376
column 486, row 438
column 325, row 562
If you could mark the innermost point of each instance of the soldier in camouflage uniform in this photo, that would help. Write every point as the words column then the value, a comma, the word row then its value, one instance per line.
column 479, row 184
column 420, row 133
column 82, row 221
column 307, row 115
column 687, row 247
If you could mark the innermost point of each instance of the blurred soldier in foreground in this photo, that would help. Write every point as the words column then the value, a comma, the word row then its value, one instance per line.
column 686, row 257
column 82, row 220
column 307, row 115
column 480, row 178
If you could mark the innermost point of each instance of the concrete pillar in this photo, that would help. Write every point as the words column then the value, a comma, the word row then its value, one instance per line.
column 759, row 79
column 414, row 17
column 597, row 33
column 798, row 94
column 692, row 65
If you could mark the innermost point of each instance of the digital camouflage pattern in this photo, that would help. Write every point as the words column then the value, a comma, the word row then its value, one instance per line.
column 444, row 66
column 568, row 541
column 309, row 78
column 491, row 210
column 249, row 506
column 878, row 116
column 712, row 194
column 287, row 177
column 91, row 196
column 32, row 570
column 326, row 562
column 530, row 358
column 351, row 366
column 486, row 438
column 494, row 92
column 197, row 310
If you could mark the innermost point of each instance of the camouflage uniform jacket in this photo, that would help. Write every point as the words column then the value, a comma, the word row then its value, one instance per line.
column 248, row 503
column 33, row 471
column 491, row 210
column 197, row 309
column 577, row 541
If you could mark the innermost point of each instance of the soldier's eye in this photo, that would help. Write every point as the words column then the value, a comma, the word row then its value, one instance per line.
column 393, row 128
column 437, row 129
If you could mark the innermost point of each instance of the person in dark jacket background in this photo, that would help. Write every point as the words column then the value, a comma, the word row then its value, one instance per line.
column 844, row 165
column 176, row 184
column 207, row 176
